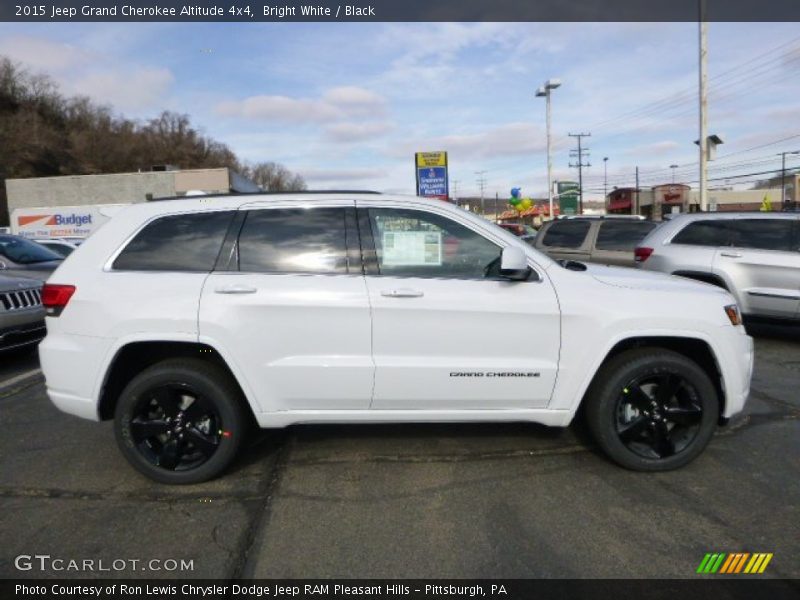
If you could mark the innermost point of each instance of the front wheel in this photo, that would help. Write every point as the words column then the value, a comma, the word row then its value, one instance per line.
column 652, row 409
column 180, row 421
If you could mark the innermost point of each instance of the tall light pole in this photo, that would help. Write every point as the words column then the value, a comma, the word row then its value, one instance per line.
column 605, row 177
column 703, row 142
column 673, row 167
column 784, row 201
column 544, row 92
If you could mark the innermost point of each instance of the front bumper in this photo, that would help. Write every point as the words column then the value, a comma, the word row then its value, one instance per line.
column 19, row 336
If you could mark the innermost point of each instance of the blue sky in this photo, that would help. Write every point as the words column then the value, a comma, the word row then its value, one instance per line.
column 347, row 105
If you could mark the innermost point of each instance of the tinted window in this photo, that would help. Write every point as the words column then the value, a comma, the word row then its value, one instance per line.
column 622, row 235
column 704, row 233
column 764, row 234
column 294, row 240
column 567, row 234
column 25, row 252
column 413, row 243
column 177, row 243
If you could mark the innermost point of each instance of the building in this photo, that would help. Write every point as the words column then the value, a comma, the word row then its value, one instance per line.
column 672, row 198
column 121, row 188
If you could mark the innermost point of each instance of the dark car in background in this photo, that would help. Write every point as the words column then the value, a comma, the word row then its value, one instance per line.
column 20, row 257
column 21, row 314
column 604, row 240
column 521, row 230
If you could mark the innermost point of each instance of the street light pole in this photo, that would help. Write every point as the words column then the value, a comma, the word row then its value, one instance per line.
column 605, row 177
column 545, row 92
column 673, row 167
column 784, row 201
column 703, row 143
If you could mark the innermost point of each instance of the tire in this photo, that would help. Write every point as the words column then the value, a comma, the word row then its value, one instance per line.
column 652, row 409
column 180, row 421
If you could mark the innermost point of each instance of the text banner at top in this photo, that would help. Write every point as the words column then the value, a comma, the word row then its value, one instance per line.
column 401, row 10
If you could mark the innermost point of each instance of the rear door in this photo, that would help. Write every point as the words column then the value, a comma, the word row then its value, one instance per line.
column 764, row 263
column 569, row 239
column 616, row 240
column 448, row 333
column 289, row 307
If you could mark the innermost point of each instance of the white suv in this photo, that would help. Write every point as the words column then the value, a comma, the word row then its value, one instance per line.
column 184, row 320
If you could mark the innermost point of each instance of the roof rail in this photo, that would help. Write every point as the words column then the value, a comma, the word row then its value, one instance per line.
column 232, row 193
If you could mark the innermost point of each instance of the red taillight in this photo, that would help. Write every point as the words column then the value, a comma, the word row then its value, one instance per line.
column 55, row 297
column 641, row 254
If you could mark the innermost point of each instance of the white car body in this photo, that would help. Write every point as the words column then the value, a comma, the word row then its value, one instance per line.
column 310, row 348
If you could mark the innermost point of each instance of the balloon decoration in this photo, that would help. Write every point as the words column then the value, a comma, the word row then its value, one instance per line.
column 517, row 202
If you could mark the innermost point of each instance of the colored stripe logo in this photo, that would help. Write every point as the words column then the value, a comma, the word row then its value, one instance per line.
column 734, row 563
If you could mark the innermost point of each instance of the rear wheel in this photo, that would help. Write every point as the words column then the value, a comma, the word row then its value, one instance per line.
column 652, row 409
column 180, row 421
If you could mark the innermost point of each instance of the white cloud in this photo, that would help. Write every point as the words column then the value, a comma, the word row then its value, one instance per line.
column 41, row 54
column 137, row 89
column 334, row 105
column 356, row 132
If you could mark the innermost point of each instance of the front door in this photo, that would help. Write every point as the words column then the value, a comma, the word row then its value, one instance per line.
column 447, row 331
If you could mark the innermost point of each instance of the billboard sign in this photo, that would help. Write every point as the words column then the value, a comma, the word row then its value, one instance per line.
column 567, row 197
column 431, row 174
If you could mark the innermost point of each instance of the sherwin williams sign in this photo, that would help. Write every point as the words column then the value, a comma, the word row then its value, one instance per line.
column 431, row 172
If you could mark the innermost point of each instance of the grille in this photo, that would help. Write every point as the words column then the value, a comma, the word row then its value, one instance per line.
column 20, row 299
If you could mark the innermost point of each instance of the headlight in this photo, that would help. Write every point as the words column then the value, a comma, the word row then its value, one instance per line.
column 733, row 314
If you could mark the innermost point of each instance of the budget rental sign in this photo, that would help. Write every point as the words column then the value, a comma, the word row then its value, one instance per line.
column 431, row 172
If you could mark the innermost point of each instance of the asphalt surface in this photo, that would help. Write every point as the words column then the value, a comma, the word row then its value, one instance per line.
column 451, row 501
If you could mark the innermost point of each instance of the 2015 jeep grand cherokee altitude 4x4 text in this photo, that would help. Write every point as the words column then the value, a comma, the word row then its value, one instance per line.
column 184, row 320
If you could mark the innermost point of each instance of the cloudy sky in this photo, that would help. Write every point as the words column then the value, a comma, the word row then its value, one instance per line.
column 347, row 105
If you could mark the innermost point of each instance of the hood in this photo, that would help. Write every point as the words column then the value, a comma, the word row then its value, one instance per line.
column 13, row 284
column 637, row 279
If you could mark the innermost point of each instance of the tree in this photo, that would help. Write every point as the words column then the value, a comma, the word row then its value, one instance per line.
column 274, row 177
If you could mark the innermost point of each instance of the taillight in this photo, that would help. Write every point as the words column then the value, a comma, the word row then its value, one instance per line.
column 55, row 297
column 641, row 254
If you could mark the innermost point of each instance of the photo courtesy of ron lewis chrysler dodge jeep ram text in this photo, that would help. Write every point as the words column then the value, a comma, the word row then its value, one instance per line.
column 186, row 320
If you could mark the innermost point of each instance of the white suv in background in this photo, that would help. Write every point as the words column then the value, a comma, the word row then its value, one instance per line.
column 186, row 319
column 755, row 255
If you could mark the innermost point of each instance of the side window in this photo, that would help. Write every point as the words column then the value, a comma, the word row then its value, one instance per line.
column 764, row 234
column 189, row 242
column 414, row 243
column 704, row 233
column 294, row 240
column 566, row 234
column 622, row 235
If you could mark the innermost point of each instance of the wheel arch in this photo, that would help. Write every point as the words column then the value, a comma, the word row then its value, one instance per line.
column 132, row 358
column 705, row 277
column 695, row 349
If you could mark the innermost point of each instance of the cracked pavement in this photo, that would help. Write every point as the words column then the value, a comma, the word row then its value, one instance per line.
column 393, row 501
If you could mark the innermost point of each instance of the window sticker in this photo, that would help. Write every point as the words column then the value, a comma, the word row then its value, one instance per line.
column 412, row 248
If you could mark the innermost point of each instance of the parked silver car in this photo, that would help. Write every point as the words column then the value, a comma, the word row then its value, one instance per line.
column 21, row 313
column 755, row 256
column 21, row 257
column 607, row 240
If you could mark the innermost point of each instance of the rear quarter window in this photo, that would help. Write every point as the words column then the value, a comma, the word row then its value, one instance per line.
column 189, row 242
column 622, row 235
column 765, row 234
column 566, row 234
column 705, row 233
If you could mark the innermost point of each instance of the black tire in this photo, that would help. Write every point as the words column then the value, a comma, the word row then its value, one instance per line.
column 180, row 421
column 651, row 409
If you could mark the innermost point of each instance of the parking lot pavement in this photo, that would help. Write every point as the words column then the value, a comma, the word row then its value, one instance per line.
column 412, row 500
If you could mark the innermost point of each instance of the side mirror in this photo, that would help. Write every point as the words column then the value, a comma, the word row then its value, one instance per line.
column 3, row 265
column 514, row 264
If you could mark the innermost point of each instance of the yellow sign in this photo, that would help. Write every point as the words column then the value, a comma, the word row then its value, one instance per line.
column 431, row 159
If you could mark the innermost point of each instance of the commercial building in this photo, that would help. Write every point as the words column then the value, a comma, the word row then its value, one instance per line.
column 672, row 198
column 121, row 188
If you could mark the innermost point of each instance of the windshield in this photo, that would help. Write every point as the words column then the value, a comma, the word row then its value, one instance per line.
column 24, row 251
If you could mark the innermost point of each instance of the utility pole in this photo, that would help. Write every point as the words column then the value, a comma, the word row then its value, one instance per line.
column 605, row 177
column 703, row 143
column 455, row 190
column 579, row 154
column 635, row 207
column 784, row 199
column 481, row 181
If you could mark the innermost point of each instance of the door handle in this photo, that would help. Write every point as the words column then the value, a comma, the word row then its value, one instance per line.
column 236, row 288
column 402, row 293
column 731, row 254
